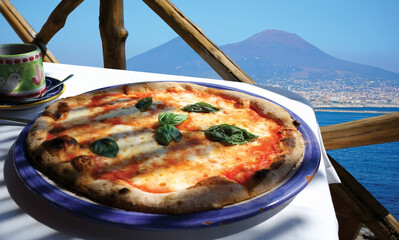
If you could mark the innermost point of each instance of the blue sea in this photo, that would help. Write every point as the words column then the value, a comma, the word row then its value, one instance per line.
column 376, row 167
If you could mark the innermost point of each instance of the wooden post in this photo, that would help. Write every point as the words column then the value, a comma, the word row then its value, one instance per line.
column 197, row 40
column 113, row 33
column 361, row 204
column 374, row 130
column 57, row 20
column 24, row 30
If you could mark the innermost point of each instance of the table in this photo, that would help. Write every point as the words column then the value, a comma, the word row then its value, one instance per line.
column 24, row 215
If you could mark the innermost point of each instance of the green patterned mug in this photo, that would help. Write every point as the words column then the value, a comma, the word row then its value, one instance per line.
column 21, row 71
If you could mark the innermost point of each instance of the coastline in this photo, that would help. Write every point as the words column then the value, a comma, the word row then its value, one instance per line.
column 374, row 108
column 351, row 110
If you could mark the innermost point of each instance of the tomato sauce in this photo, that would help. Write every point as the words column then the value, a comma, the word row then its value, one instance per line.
column 153, row 189
column 240, row 173
column 255, row 117
column 124, row 173
column 262, row 158
column 114, row 121
column 141, row 94
column 97, row 100
column 187, row 125
column 49, row 136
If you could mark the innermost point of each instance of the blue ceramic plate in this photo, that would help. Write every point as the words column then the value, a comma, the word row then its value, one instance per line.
column 86, row 209
column 53, row 94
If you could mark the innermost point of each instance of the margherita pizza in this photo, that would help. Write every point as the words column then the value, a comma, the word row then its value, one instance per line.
column 165, row 147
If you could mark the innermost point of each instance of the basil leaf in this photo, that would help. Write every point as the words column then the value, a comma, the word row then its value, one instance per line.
column 174, row 132
column 201, row 107
column 105, row 147
column 229, row 134
column 164, row 118
column 144, row 103
column 171, row 118
column 162, row 136
column 166, row 133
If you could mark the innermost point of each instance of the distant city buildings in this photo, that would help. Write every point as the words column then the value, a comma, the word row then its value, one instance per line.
column 358, row 92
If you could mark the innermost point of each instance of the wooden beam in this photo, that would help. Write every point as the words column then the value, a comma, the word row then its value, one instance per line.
column 23, row 29
column 363, row 205
column 113, row 33
column 57, row 20
column 197, row 40
column 374, row 130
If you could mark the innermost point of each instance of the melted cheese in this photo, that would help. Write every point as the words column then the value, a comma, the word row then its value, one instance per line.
column 148, row 166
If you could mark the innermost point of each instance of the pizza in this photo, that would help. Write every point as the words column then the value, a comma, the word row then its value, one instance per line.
column 165, row 147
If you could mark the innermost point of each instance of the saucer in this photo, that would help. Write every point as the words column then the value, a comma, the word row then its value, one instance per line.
column 53, row 94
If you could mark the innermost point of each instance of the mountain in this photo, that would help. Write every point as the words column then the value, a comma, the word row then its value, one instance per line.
column 271, row 55
column 173, row 57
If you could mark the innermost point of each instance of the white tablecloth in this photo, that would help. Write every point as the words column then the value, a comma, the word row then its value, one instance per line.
column 24, row 215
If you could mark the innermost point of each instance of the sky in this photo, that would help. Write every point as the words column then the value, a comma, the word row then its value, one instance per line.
column 361, row 31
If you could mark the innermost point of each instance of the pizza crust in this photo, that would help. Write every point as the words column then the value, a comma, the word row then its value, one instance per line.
column 194, row 199
column 293, row 150
column 59, row 158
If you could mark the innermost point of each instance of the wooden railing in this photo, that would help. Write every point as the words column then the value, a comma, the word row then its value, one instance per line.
column 194, row 37
column 354, row 204
column 369, row 131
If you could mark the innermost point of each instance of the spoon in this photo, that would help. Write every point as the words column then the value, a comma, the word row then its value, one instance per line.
column 55, row 86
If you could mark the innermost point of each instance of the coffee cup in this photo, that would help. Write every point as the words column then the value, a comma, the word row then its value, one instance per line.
column 21, row 72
